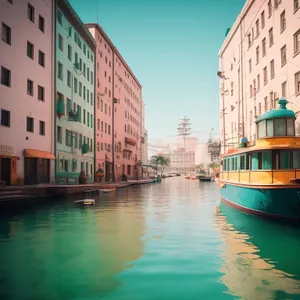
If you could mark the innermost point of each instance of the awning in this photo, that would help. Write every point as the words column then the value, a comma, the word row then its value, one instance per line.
column 38, row 154
column 130, row 141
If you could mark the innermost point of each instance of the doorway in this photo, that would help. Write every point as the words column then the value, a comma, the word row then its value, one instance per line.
column 5, row 170
column 30, row 171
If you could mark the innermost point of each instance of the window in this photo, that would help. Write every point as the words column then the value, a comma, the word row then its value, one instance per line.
column 262, row 19
column 279, row 125
column 271, row 37
column 262, row 129
column 283, row 55
column 296, row 5
column 297, row 83
column 297, row 42
column 30, row 124
column 264, row 50
column 5, row 77
column 282, row 21
column 60, row 71
column 272, row 67
column 251, row 90
column 30, row 50
column 29, row 87
column 5, row 117
column 258, row 83
column 41, row 58
column 250, row 66
column 59, row 134
column 283, row 89
column 257, row 54
column 41, row 93
column 42, row 128
column 265, row 75
column 257, row 27
column 30, row 12
column 259, row 108
column 270, row 8
column 290, row 127
column 285, row 159
column 266, row 103
column 6, row 34
column 69, row 52
column 41, row 23
column 75, row 85
column 69, row 78
column 270, row 127
column 60, row 43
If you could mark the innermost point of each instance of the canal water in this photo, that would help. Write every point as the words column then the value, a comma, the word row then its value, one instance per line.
column 153, row 242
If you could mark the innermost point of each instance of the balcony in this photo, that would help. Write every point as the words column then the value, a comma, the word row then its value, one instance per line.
column 130, row 141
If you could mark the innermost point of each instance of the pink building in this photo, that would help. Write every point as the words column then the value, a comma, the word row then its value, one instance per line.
column 26, row 92
column 259, row 63
column 115, row 80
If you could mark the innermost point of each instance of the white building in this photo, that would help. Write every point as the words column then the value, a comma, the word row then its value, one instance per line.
column 181, row 161
column 26, row 92
column 259, row 63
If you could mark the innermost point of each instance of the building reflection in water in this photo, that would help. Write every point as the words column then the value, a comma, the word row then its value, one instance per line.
column 63, row 251
column 260, row 258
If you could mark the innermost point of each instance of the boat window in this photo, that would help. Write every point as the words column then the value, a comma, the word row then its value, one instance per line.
column 249, row 161
column 290, row 128
column 224, row 164
column 232, row 163
column 279, row 127
column 262, row 129
column 259, row 158
column 254, row 161
column 275, row 158
column 270, row 127
column 242, row 162
column 296, row 159
column 286, row 159
column 267, row 160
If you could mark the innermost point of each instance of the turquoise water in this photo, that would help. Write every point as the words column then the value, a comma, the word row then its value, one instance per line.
column 162, row 241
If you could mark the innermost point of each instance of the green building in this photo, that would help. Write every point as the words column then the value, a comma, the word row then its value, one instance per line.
column 75, row 93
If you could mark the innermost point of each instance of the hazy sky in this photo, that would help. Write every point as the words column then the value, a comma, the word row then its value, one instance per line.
column 172, row 48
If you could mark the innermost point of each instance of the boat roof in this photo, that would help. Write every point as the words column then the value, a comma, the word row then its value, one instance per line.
column 280, row 112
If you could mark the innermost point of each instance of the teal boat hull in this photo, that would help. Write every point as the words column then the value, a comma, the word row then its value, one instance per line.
column 275, row 203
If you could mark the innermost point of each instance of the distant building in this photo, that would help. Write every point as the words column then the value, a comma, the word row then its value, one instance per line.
column 75, row 95
column 26, row 92
column 181, row 161
column 259, row 63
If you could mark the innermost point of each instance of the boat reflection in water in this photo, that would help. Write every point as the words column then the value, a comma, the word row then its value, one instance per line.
column 261, row 259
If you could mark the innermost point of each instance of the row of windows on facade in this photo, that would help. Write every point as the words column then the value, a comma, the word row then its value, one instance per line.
column 6, row 122
column 61, row 20
column 263, row 160
column 103, row 126
column 6, row 35
column 31, row 16
column 131, row 106
column 262, row 20
column 283, row 50
column 118, row 62
column 78, row 64
column 6, row 81
column 71, row 165
column 73, row 139
column 82, row 115
column 255, row 87
column 78, row 87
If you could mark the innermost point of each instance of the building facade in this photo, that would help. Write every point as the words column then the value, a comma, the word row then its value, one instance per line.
column 259, row 63
column 26, row 92
column 75, row 96
column 181, row 161
column 118, row 98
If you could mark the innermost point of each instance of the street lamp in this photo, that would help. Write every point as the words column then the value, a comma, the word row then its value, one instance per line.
column 113, row 138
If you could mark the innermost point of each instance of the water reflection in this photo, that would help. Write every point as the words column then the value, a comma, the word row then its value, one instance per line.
column 45, row 254
column 260, row 257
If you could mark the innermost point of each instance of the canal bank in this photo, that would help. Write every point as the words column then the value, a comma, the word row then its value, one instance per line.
column 13, row 196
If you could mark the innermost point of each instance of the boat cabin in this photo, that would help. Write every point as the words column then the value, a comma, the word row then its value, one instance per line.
column 276, row 156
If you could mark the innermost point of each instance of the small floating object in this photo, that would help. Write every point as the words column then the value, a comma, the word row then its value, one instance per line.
column 106, row 191
column 86, row 201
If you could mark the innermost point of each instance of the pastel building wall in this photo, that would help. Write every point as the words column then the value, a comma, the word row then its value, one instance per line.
column 260, row 63
column 75, row 96
column 116, row 80
column 26, row 92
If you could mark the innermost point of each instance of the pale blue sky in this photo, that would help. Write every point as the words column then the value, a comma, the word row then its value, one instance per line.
column 172, row 48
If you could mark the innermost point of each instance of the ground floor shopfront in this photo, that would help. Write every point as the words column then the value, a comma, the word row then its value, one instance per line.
column 27, row 166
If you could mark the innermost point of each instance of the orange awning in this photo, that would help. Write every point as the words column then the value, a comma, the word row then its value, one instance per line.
column 38, row 154
column 130, row 141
